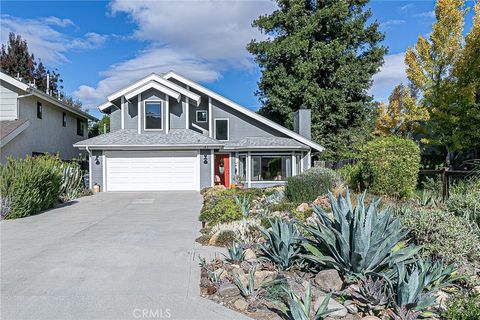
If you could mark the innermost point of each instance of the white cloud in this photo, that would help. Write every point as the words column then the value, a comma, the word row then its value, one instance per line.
column 46, row 38
column 407, row 7
column 199, row 39
column 393, row 22
column 426, row 14
column 391, row 73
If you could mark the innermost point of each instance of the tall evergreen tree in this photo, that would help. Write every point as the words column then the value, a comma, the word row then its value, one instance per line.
column 320, row 55
column 15, row 58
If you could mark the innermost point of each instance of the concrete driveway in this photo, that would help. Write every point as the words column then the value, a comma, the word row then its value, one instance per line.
column 107, row 256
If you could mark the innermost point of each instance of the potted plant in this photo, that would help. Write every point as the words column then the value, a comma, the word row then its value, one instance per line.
column 238, row 181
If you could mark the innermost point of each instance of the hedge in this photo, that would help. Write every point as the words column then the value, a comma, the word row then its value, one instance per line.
column 308, row 185
column 390, row 166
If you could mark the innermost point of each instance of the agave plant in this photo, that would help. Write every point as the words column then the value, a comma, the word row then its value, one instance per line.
column 73, row 184
column 403, row 314
column 236, row 253
column 357, row 241
column 370, row 294
column 244, row 203
column 282, row 243
column 299, row 308
column 248, row 291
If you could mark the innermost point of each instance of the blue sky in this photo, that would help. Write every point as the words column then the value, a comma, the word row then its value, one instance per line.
column 100, row 46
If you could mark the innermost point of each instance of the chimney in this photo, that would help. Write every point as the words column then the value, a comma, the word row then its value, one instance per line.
column 302, row 123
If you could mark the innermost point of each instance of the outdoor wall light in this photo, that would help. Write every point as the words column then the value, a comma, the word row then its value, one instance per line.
column 205, row 159
column 97, row 162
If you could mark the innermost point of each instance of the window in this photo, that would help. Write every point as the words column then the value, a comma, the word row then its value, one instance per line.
column 271, row 168
column 64, row 119
column 221, row 129
column 39, row 110
column 79, row 127
column 153, row 115
column 242, row 166
column 201, row 116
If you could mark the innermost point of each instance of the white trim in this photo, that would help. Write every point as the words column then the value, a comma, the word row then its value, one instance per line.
column 274, row 155
column 90, row 182
column 104, row 173
column 249, row 169
column 9, row 137
column 196, row 116
column 309, row 159
column 204, row 132
column 159, row 80
column 244, row 110
column 210, row 115
column 145, row 115
column 215, row 128
column 187, row 112
column 167, row 113
column 301, row 162
column 122, row 114
column 156, row 86
column 14, row 82
column 146, row 146
column 294, row 165
column 139, row 113
column 212, row 168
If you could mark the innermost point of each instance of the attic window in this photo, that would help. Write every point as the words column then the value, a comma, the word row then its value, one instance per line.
column 221, row 129
column 201, row 116
column 153, row 115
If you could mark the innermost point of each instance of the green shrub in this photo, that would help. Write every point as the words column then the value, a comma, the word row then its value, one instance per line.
column 464, row 200
column 465, row 306
column 284, row 206
column 352, row 176
column 307, row 186
column 442, row 235
column 390, row 166
column 224, row 209
column 32, row 183
column 225, row 238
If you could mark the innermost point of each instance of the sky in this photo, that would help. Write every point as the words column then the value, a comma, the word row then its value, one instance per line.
column 101, row 46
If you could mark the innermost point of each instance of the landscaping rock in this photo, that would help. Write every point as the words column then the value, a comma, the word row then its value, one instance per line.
column 240, row 304
column 303, row 207
column 476, row 289
column 441, row 300
column 351, row 308
column 228, row 290
column 221, row 273
column 211, row 290
column 329, row 280
column 241, row 275
column 371, row 318
column 332, row 304
column 250, row 256
column 263, row 276
column 213, row 239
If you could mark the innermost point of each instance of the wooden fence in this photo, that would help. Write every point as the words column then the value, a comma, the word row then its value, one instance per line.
column 447, row 177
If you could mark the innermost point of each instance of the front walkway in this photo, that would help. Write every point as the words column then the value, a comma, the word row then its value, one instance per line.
column 108, row 256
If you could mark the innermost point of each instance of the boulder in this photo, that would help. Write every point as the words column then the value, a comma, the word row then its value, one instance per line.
column 228, row 290
column 240, row 304
column 329, row 280
column 303, row 207
column 241, row 275
column 263, row 276
column 221, row 273
column 213, row 239
column 332, row 304
column 249, row 255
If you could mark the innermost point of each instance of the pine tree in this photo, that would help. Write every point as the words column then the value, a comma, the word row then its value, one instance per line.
column 15, row 59
column 320, row 55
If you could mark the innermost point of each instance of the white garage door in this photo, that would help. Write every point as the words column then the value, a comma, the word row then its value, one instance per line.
column 152, row 171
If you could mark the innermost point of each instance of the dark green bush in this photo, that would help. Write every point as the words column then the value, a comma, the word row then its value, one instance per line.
column 352, row 175
column 443, row 235
column 465, row 306
column 390, row 166
column 284, row 206
column 221, row 209
column 307, row 186
column 32, row 183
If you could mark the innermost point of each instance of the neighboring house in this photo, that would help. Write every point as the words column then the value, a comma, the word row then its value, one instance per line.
column 33, row 122
column 170, row 133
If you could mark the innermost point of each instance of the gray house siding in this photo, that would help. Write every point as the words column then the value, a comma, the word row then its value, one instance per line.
column 8, row 102
column 47, row 134
column 131, row 114
column 96, row 165
column 193, row 111
column 205, row 168
column 178, row 117
column 115, row 120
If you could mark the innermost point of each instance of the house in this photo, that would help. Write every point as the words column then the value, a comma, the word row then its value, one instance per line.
column 33, row 122
column 170, row 133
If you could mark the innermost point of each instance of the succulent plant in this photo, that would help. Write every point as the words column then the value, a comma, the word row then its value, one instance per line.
column 403, row 314
column 358, row 240
column 248, row 291
column 236, row 253
column 73, row 185
column 299, row 308
column 282, row 243
column 370, row 294
column 244, row 203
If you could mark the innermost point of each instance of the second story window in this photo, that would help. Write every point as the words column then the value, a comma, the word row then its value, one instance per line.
column 153, row 115
column 39, row 110
column 80, row 127
column 64, row 119
column 201, row 116
column 221, row 129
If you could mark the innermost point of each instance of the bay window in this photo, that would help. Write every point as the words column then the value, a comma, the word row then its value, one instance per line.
column 271, row 167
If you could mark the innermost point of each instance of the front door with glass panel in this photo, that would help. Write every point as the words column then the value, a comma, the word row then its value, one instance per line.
column 222, row 170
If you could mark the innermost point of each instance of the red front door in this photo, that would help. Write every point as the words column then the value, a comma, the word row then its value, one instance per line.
column 222, row 170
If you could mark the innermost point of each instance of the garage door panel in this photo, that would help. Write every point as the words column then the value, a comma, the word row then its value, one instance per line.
column 151, row 171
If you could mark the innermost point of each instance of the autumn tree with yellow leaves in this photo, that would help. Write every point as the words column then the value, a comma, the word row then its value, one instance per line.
column 445, row 70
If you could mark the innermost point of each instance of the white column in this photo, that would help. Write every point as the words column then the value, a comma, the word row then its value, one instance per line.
column 167, row 111
column 122, row 110
column 187, row 111
column 309, row 159
column 249, row 169
column 139, row 112
column 294, row 165
column 212, row 169
column 210, row 118
column 104, row 172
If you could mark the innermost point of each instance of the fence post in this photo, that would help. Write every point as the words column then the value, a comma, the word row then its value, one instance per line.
column 445, row 184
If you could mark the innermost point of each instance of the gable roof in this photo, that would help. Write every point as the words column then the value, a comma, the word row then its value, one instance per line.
column 42, row 95
column 9, row 129
column 151, row 81
column 244, row 110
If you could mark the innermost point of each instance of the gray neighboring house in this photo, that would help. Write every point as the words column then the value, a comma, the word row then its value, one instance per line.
column 33, row 122
column 170, row 133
